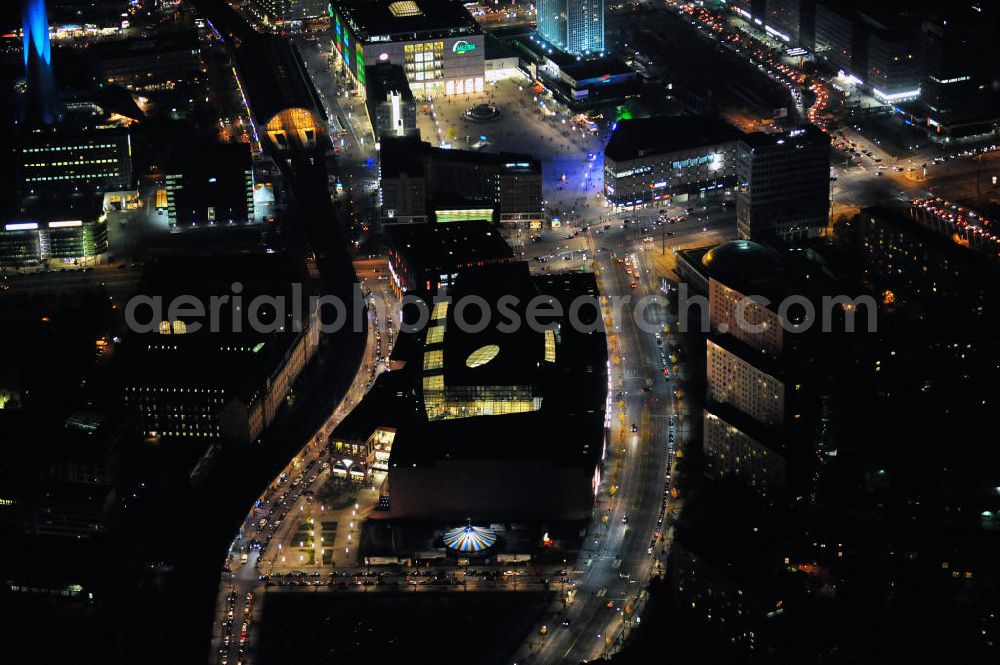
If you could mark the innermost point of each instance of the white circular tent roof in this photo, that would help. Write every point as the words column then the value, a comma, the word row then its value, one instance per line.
column 469, row 539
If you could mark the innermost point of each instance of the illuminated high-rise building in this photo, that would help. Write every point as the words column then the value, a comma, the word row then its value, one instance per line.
column 574, row 26
column 279, row 12
column 784, row 184
column 42, row 106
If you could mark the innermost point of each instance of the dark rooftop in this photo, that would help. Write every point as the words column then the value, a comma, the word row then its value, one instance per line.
column 275, row 77
column 447, row 247
column 229, row 352
column 535, row 435
column 392, row 403
column 405, row 154
column 383, row 78
column 520, row 351
column 591, row 68
column 742, row 261
column 44, row 209
column 406, row 19
column 637, row 138
column 805, row 135
column 116, row 99
column 498, row 48
column 205, row 158
column 180, row 40
column 753, row 268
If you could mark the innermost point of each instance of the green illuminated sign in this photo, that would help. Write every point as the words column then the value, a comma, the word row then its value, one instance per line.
column 463, row 46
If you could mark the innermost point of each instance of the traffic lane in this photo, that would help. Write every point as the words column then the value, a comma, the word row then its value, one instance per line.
column 596, row 621
column 636, row 557
column 657, row 399
column 111, row 279
column 354, row 152
column 632, row 485
column 585, row 610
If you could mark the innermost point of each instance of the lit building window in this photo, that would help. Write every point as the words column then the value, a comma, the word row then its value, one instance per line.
column 435, row 335
column 550, row 346
column 433, row 360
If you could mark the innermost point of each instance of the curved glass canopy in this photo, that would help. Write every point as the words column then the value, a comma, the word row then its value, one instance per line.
column 482, row 355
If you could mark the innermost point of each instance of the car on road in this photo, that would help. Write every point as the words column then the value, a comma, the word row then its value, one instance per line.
column 635, row 428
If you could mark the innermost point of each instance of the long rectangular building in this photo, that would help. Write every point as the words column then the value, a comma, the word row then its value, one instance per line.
column 62, row 161
column 75, row 238
column 677, row 158
column 151, row 63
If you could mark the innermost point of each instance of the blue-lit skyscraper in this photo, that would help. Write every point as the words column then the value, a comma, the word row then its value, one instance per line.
column 574, row 26
column 42, row 106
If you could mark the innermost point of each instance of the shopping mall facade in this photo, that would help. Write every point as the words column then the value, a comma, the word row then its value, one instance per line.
column 438, row 45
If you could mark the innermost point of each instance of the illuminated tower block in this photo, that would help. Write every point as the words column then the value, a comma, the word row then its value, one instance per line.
column 575, row 26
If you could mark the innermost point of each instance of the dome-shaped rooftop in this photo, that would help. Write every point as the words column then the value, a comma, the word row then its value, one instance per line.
column 741, row 258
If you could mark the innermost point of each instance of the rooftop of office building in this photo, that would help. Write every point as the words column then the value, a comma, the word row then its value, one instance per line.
column 228, row 349
column 446, row 247
column 397, row 20
column 385, row 78
column 636, row 138
column 805, row 135
column 406, row 154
